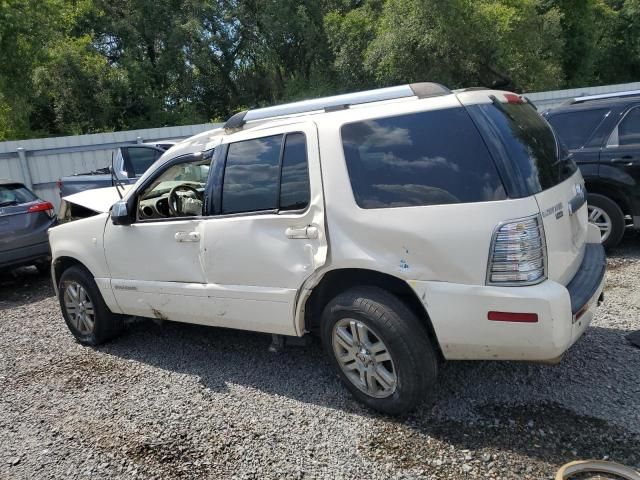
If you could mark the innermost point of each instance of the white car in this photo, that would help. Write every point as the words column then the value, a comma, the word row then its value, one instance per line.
column 405, row 225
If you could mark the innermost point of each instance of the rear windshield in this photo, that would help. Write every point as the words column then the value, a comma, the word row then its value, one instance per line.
column 15, row 195
column 427, row 158
column 576, row 128
column 527, row 145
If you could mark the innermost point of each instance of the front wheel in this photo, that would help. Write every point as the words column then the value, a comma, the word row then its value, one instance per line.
column 380, row 349
column 84, row 310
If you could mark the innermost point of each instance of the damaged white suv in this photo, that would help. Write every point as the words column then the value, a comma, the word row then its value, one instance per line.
column 405, row 225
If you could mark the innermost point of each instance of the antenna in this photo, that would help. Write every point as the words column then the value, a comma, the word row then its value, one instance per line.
column 115, row 181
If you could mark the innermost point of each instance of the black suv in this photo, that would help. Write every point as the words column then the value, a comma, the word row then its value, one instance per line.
column 603, row 133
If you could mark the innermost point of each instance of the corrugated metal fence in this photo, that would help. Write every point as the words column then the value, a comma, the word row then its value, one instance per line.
column 547, row 100
column 40, row 162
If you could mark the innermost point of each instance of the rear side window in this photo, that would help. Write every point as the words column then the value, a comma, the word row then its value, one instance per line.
column 140, row 159
column 15, row 194
column 426, row 158
column 268, row 173
column 524, row 140
column 575, row 128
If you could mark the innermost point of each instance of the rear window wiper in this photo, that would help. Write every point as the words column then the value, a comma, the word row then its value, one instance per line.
column 7, row 204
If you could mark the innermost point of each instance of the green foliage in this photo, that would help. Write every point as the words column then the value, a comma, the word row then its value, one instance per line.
column 79, row 66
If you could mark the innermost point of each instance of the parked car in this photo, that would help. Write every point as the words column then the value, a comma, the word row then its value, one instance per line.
column 404, row 225
column 24, row 221
column 603, row 134
column 129, row 163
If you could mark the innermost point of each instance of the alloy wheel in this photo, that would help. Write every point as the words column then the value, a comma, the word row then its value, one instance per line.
column 364, row 358
column 602, row 220
column 79, row 308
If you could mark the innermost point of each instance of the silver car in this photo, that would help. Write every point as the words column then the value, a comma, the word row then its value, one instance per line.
column 24, row 221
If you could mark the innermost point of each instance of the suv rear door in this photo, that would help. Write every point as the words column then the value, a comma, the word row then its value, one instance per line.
column 267, row 235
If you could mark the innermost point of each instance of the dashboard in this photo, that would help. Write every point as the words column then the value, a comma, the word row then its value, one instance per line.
column 154, row 208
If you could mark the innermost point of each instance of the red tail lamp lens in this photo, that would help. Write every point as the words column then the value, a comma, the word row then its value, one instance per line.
column 41, row 207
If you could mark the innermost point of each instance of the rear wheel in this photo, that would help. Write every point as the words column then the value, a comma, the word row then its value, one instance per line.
column 380, row 349
column 84, row 310
column 605, row 214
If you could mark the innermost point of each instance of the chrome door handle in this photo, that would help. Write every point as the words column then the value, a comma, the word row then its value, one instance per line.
column 302, row 232
column 187, row 237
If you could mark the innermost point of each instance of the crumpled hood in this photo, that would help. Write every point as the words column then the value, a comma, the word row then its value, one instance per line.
column 98, row 199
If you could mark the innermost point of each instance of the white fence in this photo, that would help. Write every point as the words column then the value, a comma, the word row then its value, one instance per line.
column 41, row 162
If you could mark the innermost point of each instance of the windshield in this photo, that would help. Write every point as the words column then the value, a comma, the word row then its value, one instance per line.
column 526, row 142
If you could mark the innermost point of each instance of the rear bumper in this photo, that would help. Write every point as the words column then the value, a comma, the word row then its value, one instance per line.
column 459, row 314
column 24, row 255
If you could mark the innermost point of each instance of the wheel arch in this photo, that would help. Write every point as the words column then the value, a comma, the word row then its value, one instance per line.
column 611, row 192
column 60, row 264
column 339, row 280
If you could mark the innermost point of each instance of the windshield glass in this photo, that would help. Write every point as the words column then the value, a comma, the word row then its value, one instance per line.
column 527, row 142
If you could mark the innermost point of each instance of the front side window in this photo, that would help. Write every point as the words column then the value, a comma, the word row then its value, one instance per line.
column 264, row 174
column 176, row 192
column 575, row 128
column 427, row 158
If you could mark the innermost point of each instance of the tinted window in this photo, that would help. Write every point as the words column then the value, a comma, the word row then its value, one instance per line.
column 575, row 128
column 525, row 140
column 141, row 158
column 629, row 128
column 425, row 158
column 15, row 194
column 294, row 187
column 251, row 175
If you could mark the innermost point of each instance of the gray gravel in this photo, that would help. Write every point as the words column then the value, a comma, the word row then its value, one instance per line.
column 181, row 401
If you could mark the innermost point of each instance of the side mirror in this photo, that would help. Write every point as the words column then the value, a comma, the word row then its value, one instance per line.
column 120, row 213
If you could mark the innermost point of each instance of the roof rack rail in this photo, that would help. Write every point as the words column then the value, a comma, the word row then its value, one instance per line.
column 338, row 102
column 589, row 98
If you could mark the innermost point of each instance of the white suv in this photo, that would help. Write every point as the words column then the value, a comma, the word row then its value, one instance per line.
column 405, row 225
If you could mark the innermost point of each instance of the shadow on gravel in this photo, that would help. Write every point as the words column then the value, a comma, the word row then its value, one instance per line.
column 541, row 429
column 22, row 286
column 547, row 434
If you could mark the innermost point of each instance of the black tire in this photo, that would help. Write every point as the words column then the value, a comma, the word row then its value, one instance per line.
column 414, row 357
column 614, row 212
column 106, row 325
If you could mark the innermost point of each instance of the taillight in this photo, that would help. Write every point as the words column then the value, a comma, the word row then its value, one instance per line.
column 518, row 253
column 42, row 207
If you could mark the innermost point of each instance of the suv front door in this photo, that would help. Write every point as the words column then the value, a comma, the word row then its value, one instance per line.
column 155, row 263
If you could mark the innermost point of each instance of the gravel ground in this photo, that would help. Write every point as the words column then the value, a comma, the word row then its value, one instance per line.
column 182, row 401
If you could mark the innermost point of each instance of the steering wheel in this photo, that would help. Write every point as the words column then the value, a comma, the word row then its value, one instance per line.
column 174, row 200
